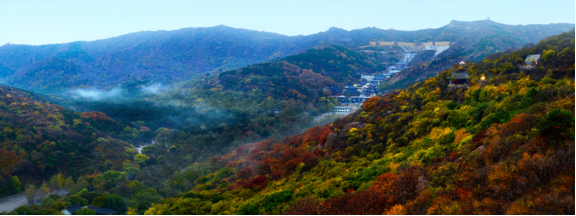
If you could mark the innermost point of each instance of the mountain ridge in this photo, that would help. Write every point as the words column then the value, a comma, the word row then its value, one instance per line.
column 190, row 53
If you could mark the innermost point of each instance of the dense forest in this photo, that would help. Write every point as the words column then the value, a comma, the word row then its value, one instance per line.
column 40, row 140
column 503, row 145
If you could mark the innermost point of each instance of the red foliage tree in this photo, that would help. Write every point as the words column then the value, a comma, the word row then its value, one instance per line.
column 304, row 206
column 97, row 116
column 245, row 173
column 359, row 203
column 8, row 160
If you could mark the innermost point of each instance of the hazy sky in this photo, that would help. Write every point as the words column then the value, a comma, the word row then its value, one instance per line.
column 60, row 21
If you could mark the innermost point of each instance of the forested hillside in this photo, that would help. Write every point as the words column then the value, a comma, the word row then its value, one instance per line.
column 40, row 140
column 504, row 145
column 171, row 56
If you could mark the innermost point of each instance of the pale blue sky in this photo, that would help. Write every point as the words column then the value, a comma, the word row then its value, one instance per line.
column 60, row 21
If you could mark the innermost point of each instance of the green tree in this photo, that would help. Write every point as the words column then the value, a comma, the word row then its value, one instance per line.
column 46, row 201
column 161, row 159
column 249, row 209
column 548, row 54
column 141, row 159
column 81, row 183
column 17, row 183
column 557, row 127
column 98, row 201
column 23, row 210
column 115, row 202
column 149, row 149
column 57, row 182
column 44, row 190
column 69, row 185
column 164, row 136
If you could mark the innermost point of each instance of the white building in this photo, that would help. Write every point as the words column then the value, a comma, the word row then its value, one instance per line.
column 342, row 110
column 437, row 49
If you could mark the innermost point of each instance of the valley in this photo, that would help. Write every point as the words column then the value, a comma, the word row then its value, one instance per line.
column 454, row 120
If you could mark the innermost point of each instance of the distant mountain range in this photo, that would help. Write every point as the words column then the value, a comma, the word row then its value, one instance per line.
column 173, row 56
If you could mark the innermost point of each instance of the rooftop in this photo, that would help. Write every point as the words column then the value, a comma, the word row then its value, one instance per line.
column 342, row 107
column 102, row 211
column 460, row 75
column 73, row 208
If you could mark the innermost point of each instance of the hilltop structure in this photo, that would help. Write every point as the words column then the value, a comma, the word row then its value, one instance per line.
column 459, row 79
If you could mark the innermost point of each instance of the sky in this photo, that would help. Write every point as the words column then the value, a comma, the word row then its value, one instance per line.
column 37, row 22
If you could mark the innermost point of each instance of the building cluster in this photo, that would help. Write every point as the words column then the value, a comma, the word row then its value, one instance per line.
column 354, row 94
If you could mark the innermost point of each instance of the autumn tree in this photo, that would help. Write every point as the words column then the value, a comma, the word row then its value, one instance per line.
column 30, row 194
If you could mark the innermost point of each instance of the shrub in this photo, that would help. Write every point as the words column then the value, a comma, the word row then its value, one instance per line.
column 98, row 201
column 249, row 209
column 77, row 200
column 46, row 201
column 480, row 113
column 499, row 117
column 22, row 210
column 557, row 126
column 452, row 105
column 85, row 211
column 359, row 203
column 270, row 202
column 304, row 206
